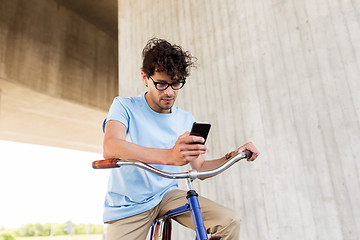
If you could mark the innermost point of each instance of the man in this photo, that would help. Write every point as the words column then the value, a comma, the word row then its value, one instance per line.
column 150, row 129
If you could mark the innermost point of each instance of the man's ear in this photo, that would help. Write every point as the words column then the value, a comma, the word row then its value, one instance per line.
column 144, row 78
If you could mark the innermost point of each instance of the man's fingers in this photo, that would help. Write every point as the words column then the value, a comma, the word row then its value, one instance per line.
column 184, row 152
column 193, row 139
column 192, row 153
column 250, row 147
column 187, row 138
column 193, row 147
column 253, row 157
column 191, row 156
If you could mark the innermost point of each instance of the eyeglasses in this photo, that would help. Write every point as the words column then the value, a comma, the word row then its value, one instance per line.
column 161, row 86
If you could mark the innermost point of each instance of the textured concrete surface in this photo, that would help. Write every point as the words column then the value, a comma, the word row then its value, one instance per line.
column 47, row 49
column 101, row 13
column 52, row 50
column 32, row 117
column 283, row 74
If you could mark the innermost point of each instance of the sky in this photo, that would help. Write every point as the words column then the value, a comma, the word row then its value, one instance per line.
column 49, row 184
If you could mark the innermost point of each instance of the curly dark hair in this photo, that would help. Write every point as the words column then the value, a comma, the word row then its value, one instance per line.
column 161, row 56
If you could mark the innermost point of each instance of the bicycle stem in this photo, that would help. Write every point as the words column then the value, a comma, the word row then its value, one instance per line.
column 189, row 184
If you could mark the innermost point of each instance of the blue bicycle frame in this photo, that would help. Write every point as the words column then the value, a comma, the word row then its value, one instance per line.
column 193, row 206
column 196, row 214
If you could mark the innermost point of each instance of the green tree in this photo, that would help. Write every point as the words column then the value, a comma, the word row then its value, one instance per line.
column 80, row 229
column 97, row 229
column 38, row 229
column 27, row 230
column 45, row 230
column 59, row 229
column 6, row 236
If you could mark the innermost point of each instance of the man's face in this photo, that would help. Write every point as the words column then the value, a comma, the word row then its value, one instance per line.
column 160, row 101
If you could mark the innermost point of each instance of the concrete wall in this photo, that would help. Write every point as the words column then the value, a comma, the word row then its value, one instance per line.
column 49, row 52
column 283, row 74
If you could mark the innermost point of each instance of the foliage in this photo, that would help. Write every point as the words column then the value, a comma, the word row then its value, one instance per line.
column 37, row 229
column 6, row 236
column 65, row 237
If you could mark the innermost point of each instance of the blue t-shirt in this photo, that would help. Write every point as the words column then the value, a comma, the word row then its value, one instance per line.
column 132, row 190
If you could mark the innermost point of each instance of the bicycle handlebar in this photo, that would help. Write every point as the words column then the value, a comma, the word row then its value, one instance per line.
column 191, row 174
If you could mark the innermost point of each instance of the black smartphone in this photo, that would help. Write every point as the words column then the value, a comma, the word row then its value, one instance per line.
column 200, row 129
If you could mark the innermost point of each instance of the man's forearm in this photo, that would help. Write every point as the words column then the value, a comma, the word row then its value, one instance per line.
column 204, row 165
column 122, row 149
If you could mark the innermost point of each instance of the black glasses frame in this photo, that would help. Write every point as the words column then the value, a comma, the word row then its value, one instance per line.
column 182, row 82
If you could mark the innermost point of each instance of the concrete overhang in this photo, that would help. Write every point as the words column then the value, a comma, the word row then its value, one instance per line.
column 29, row 114
column 102, row 13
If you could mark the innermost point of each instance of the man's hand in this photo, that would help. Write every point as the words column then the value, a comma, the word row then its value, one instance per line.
column 248, row 146
column 184, row 151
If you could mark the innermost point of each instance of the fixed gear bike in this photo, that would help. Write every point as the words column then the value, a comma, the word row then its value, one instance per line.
column 161, row 227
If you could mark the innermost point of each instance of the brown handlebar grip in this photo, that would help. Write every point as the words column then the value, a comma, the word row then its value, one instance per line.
column 109, row 163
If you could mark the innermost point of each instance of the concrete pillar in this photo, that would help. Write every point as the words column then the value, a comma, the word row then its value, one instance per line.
column 283, row 74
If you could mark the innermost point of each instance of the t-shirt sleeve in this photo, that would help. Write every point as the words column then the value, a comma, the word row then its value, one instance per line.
column 119, row 112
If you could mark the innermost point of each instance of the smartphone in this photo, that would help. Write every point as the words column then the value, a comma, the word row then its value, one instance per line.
column 200, row 129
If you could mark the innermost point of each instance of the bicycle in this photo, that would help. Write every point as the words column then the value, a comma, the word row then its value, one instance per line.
column 161, row 227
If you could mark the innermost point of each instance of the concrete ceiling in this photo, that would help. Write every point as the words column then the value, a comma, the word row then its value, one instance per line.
column 101, row 13
column 32, row 117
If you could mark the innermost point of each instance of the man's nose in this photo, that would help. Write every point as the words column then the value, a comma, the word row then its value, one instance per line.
column 169, row 91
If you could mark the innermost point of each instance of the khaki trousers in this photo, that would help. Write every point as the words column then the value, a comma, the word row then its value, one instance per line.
column 218, row 220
